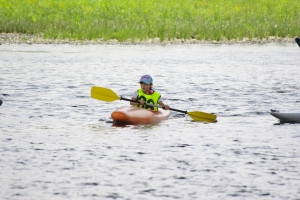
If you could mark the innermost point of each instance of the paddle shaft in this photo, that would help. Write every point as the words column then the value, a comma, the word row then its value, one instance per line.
column 136, row 101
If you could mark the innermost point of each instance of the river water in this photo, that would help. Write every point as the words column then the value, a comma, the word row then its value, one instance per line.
column 57, row 142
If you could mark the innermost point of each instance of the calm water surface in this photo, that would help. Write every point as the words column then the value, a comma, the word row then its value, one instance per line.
column 58, row 143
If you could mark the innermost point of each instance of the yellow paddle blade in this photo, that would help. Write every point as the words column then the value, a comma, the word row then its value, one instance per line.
column 202, row 116
column 104, row 94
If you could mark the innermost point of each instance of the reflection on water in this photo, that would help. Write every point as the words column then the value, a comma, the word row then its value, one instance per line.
column 56, row 142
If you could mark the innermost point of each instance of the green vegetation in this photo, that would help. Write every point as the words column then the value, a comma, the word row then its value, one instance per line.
column 143, row 19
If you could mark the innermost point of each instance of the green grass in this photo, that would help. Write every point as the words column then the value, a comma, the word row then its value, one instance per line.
column 145, row 19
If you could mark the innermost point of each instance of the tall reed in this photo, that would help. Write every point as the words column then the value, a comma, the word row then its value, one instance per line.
column 144, row 19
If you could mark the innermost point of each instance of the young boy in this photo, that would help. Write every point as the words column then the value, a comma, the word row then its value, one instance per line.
column 147, row 95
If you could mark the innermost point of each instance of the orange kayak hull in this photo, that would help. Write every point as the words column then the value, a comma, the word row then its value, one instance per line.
column 135, row 115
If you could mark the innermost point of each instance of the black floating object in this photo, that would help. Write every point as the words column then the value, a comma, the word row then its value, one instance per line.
column 1, row 102
column 273, row 110
column 298, row 41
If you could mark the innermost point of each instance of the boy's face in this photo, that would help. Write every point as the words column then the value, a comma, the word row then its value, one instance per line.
column 145, row 87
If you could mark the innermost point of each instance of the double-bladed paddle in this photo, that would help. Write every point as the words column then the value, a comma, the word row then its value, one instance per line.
column 105, row 94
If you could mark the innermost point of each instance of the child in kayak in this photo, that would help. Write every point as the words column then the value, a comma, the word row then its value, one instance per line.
column 146, row 95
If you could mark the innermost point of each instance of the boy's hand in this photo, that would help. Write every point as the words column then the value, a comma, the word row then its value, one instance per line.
column 166, row 107
column 141, row 102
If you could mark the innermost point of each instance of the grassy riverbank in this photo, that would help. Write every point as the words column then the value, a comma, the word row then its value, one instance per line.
column 146, row 19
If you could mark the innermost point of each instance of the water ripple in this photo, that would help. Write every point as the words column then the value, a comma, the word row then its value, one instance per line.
column 58, row 143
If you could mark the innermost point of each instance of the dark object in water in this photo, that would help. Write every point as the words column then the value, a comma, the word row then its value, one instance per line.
column 274, row 110
column 1, row 102
column 298, row 41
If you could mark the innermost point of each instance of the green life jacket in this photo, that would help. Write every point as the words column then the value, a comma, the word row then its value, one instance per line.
column 148, row 98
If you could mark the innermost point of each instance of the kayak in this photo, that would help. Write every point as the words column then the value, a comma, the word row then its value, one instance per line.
column 286, row 117
column 136, row 115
